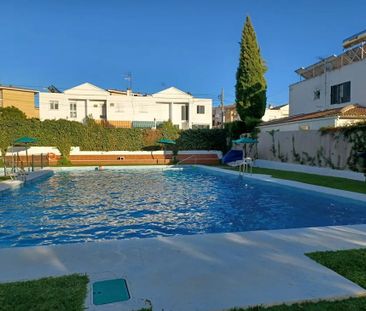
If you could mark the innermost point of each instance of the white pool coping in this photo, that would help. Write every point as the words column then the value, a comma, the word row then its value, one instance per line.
column 205, row 272
column 29, row 177
column 268, row 178
column 109, row 167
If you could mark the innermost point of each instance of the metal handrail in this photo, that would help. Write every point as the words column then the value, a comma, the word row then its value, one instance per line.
column 181, row 161
column 22, row 174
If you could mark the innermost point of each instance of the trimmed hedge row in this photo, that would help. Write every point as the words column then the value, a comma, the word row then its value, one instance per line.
column 90, row 136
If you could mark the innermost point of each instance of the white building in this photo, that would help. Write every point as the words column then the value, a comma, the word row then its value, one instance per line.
column 331, row 92
column 275, row 112
column 126, row 109
column 334, row 82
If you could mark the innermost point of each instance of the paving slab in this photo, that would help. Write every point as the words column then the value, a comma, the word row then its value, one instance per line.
column 205, row 272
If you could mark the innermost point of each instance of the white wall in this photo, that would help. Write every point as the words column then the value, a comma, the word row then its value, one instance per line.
column 302, row 93
column 273, row 113
column 313, row 124
column 308, row 148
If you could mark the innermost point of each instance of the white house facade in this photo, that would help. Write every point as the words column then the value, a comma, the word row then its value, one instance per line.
column 125, row 108
column 275, row 112
column 334, row 82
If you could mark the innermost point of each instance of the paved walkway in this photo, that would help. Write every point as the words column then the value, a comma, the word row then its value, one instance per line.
column 201, row 272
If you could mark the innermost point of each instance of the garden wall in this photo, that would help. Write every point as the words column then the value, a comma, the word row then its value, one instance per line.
column 78, row 157
column 337, row 149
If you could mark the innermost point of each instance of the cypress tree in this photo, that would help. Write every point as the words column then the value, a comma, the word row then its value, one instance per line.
column 250, row 89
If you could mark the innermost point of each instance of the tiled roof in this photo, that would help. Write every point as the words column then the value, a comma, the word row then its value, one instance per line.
column 347, row 112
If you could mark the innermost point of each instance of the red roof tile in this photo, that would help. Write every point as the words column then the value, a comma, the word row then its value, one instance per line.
column 350, row 111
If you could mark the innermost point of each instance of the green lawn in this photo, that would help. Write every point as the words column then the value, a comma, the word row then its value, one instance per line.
column 349, row 263
column 4, row 178
column 54, row 293
column 326, row 181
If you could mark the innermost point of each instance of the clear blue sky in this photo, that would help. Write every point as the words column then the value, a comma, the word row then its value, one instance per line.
column 190, row 44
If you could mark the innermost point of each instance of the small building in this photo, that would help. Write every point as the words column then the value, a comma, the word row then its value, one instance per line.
column 21, row 98
column 127, row 109
column 231, row 115
column 336, row 117
column 275, row 112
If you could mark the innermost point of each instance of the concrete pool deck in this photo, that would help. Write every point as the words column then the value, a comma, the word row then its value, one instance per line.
column 200, row 272
column 29, row 177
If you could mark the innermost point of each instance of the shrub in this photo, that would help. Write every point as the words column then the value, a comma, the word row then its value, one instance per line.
column 203, row 139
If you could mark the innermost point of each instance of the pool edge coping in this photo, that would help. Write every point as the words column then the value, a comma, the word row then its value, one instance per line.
column 296, row 184
column 11, row 184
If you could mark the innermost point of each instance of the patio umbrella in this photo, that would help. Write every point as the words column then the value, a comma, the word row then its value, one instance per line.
column 25, row 141
column 245, row 140
column 166, row 141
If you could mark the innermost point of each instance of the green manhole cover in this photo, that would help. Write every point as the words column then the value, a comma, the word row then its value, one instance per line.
column 110, row 291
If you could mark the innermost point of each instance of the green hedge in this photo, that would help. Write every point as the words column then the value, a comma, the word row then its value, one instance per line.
column 203, row 139
column 90, row 136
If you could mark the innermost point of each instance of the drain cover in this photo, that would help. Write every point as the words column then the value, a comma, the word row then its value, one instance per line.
column 110, row 291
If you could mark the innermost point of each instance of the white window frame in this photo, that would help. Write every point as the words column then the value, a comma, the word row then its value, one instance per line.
column 73, row 110
column 185, row 113
column 201, row 109
column 54, row 104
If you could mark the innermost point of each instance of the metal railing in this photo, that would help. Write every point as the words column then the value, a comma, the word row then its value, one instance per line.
column 181, row 161
column 15, row 164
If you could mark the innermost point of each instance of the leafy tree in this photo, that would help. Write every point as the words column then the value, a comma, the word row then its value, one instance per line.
column 250, row 82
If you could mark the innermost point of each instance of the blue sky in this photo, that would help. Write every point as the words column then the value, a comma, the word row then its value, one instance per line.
column 190, row 44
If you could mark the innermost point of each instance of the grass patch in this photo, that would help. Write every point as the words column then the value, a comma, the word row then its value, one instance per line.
column 350, row 264
column 352, row 304
column 4, row 178
column 52, row 293
column 325, row 181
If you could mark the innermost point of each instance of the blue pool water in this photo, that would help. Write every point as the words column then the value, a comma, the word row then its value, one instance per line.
column 79, row 206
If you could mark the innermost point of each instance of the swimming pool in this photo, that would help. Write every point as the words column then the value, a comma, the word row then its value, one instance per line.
column 85, row 205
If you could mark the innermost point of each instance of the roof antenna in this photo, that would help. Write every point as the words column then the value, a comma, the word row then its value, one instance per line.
column 128, row 77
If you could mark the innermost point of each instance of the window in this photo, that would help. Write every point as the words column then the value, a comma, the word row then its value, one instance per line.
column 111, row 105
column 54, row 104
column 73, row 111
column 185, row 113
column 200, row 109
column 316, row 94
column 340, row 93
